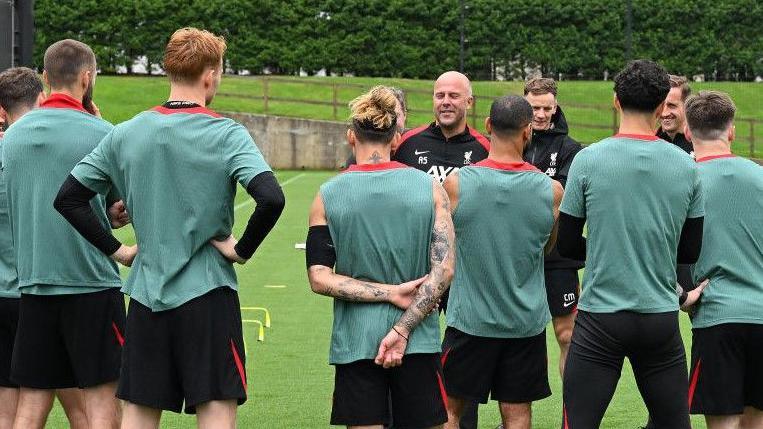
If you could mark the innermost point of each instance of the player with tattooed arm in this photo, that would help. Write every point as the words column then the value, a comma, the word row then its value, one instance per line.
column 385, row 274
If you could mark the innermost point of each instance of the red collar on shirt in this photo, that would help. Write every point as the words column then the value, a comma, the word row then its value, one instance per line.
column 637, row 136
column 390, row 165
column 58, row 100
column 201, row 110
column 508, row 166
column 708, row 158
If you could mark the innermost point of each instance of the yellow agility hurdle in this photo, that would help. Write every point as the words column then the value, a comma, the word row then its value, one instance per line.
column 263, row 309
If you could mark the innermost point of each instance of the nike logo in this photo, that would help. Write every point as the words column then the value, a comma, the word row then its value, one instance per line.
column 567, row 304
column 415, row 152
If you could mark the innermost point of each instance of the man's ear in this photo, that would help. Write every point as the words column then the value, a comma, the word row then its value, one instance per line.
column 488, row 125
column 687, row 132
column 658, row 112
column 40, row 98
column 351, row 140
column 732, row 133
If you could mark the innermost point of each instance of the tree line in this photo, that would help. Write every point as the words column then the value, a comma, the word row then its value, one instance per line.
column 574, row 39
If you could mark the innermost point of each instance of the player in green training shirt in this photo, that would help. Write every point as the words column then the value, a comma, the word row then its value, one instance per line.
column 374, row 230
column 71, row 312
column 20, row 91
column 726, row 383
column 177, row 166
column 495, row 342
column 642, row 200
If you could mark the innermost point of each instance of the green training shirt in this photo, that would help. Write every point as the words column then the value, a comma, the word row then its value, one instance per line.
column 732, row 242
column 39, row 151
column 636, row 192
column 380, row 218
column 8, row 278
column 503, row 220
column 177, row 170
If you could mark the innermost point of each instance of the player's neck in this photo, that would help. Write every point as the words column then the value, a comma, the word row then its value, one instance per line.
column 73, row 93
column 187, row 93
column 637, row 124
column 703, row 149
column 16, row 115
column 372, row 154
column 505, row 151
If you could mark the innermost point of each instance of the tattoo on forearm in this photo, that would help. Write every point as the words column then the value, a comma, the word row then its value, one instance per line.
column 442, row 259
column 350, row 289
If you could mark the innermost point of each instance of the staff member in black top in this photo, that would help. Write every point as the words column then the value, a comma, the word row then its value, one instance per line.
column 552, row 151
column 447, row 144
column 673, row 118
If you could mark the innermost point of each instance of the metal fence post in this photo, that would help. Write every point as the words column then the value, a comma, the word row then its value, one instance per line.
column 334, row 102
column 474, row 112
column 752, row 139
column 265, row 85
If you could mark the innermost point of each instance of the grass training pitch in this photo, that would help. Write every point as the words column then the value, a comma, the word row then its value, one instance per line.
column 290, row 380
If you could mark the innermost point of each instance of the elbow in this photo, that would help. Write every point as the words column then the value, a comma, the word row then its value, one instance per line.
column 60, row 203
column 315, row 284
column 448, row 271
column 274, row 203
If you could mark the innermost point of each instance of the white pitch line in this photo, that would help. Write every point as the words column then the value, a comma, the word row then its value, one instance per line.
column 286, row 182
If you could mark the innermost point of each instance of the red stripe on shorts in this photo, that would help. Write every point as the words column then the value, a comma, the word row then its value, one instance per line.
column 239, row 364
column 564, row 411
column 694, row 379
column 442, row 391
column 445, row 356
column 118, row 334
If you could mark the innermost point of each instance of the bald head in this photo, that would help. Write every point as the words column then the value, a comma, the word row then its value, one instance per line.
column 452, row 97
column 454, row 78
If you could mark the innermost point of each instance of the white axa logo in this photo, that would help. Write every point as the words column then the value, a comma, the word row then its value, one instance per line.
column 468, row 157
column 553, row 159
column 441, row 173
column 551, row 172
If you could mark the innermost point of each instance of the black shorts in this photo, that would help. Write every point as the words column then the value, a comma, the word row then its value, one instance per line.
column 9, row 318
column 193, row 353
column 513, row 370
column 601, row 342
column 67, row 341
column 562, row 291
column 726, row 373
column 415, row 390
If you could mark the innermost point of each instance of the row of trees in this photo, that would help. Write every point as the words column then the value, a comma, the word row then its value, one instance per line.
column 418, row 39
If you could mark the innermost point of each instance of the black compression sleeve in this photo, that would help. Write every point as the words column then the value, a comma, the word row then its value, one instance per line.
column 73, row 202
column 267, row 193
column 569, row 239
column 319, row 248
column 690, row 243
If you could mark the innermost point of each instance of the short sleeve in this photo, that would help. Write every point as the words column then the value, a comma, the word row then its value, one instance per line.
column 243, row 158
column 697, row 202
column 573, row 202
column 94, row 171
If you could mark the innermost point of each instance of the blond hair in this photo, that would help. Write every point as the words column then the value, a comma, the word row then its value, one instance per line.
column 375, row 108
column 540, row 86
column 190, row 51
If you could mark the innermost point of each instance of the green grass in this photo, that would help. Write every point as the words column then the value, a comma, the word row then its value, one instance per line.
column 290, row 380
column 584, row 103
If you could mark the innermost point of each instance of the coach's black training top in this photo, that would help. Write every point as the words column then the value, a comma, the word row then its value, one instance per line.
column 427, row 149
column 552, row 151
column 679, row 140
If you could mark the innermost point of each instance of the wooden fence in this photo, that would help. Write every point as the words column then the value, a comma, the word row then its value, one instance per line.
column 267, row 97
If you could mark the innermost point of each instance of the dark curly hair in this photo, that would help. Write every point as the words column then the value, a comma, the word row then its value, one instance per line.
column 642, row 86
